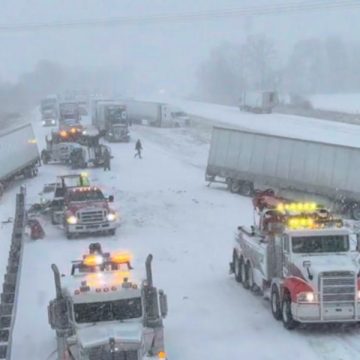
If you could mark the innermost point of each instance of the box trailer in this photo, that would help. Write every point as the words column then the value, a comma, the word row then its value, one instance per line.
column 246, row 160
column 19, row 155
column 155, row 114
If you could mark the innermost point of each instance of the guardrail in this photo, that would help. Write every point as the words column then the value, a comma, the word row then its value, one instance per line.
column 8, row 298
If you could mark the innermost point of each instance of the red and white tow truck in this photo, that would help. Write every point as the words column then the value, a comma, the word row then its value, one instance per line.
column 82, row 208
column 303, row 259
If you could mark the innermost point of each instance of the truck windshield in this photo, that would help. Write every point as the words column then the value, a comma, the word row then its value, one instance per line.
column 108, row 311
column 320, row 244
column 87, row 195
column 115, row 115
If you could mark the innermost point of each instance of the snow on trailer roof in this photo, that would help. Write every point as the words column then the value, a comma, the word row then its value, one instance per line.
column 263, row 133
column 14, row 127
column 298, row 127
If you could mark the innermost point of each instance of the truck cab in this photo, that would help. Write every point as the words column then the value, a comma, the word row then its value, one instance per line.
column 103, row 311
column 304, row 259
column 81, row 208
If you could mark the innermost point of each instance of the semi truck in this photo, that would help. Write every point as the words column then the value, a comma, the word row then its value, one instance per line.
column 19, row 154
column 302, row 258
column 49, row 110
column 295, row 168
column 103, row 311
column 69, row 113
column 261, row 102
column 110, row 117
column 155, row 114
column 81, row 208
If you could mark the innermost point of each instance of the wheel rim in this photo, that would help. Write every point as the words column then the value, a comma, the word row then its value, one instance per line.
column 246, row 190
column 235, row 187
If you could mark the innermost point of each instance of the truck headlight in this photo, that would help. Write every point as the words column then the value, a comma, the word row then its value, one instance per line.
column 43, row 122
column 71, row 220
column 111, row 216
column 306, row 297
column 53, row 122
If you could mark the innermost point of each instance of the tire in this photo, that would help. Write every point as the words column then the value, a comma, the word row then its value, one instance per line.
column 69, row 235
column 246, row 189
column 237, row 268
column 250, row 275
column 287, row 317
column 112, row 232
column 244, row 277
column 2, row 189
column 234, row 186
column 275, row 303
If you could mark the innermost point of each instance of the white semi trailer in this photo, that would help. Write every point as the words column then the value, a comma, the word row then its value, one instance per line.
column 19, row 154
column 155, row 114
column 258, row 101
column 246, row 160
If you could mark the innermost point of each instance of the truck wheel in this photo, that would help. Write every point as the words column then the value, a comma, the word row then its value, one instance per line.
column 287, row 317
column 246, row 189
column 237, row 268
column 2, row 189
column 355, row 211
column 244, row 277
column 234, row 186
column 69, row 235
column 250, row 275
column 275, row 303
column 112, row 232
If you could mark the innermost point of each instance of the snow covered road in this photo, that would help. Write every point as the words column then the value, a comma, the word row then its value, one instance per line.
column 168, row 210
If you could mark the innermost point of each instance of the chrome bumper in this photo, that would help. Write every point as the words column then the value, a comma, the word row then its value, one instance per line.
column 92, row 228
column 313, row 313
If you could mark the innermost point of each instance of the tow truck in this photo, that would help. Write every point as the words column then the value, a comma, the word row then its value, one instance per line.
column 60, row 144
column 302, row 258
column 101, row 311
column 81, row 208
column 75, row 146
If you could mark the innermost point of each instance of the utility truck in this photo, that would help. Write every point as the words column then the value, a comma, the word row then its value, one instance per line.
column 155, row 114
column 102, row 311
column 19, row 154
column 301, row 169
column 302, row 258
column 81, row 208
column 261, row 102
column 110, row 117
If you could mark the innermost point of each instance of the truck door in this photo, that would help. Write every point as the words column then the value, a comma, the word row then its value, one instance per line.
column 285, row 255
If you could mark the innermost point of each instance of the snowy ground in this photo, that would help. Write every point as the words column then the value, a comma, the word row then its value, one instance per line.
column 347, row 103
column 168, row 210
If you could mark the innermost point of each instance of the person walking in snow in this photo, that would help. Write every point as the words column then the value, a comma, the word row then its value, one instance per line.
column 107, row 158
column 138, row 148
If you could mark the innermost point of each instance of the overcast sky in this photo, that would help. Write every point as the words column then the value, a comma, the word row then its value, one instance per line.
column 169, row 52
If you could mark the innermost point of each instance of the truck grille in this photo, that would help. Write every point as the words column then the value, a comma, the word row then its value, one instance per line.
column 338, row 287
column 104, row 353
column 92, row 217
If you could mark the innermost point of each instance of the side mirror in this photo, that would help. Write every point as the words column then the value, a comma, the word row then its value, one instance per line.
column 111, row 198
column 163, row 304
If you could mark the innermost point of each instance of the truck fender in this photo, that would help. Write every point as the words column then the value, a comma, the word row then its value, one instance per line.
column 295, row 285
